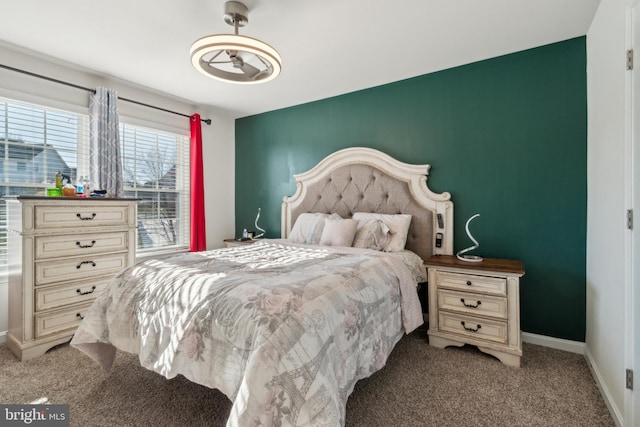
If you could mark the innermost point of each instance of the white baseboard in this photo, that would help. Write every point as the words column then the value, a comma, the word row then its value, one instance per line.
column 557, row 343
column 3, row 337
column 604, row 391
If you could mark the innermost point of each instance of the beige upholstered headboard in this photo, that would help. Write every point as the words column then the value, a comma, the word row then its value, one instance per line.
column 366, row 180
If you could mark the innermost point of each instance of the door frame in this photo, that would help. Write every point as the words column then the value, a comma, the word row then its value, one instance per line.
column 632, row 199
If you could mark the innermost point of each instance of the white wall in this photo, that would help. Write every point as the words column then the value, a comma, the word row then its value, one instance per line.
column 606, row 206
column 218, row 139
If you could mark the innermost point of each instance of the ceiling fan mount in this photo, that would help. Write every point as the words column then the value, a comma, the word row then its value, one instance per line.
column 236, row 14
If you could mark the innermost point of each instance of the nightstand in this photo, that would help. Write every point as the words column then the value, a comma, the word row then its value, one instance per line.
column 233, row 242
column 476, row 303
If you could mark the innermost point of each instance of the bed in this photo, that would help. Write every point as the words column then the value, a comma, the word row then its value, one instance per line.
column 286, row 327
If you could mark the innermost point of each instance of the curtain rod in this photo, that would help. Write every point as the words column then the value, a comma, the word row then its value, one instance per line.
column 29, row 73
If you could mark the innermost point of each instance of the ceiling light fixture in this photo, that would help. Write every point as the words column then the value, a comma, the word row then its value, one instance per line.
column 235, row 58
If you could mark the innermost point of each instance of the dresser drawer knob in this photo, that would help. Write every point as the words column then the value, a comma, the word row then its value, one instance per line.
column 93, row 242
column 86, row 218
column 470, row 329
column 93, row 264
column 470, row 305
column 468, row 282
column 93, row 288
column 79, row 315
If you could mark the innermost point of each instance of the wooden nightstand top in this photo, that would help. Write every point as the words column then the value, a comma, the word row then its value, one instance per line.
column 239, row 242
column 509, row 266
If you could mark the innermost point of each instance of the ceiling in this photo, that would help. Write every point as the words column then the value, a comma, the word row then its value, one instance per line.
column 328, row 47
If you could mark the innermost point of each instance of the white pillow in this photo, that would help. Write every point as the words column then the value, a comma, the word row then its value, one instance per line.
column 372, row 234
column 338, row 232
column 398, row 226
column 308, row 227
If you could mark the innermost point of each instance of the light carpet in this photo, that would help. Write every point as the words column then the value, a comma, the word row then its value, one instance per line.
column 419, row 386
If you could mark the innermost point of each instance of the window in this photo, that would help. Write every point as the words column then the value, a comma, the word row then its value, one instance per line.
column 155, row 166
column 36, row 142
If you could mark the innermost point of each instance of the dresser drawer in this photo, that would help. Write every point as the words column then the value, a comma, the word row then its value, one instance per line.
column 80, row 216
column 73, row 293
column 80, row 244
column 470, row 326
column 60, row 320
column 466, row 302
column 79, row 268
column 472, row 283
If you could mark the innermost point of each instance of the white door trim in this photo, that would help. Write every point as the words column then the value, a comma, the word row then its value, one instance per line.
column 632, row 201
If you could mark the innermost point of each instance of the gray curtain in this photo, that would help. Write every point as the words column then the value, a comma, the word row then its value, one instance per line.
column 105, row 162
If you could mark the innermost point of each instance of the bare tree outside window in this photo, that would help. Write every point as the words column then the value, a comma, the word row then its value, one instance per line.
column 151, row 167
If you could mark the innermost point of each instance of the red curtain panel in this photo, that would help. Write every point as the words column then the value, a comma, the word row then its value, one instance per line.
column 198, row 241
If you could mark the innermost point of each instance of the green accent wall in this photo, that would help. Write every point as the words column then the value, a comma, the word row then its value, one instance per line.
column 507, row 137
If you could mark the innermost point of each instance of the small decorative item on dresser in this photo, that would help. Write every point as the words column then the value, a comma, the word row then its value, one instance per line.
column 54, row 192
column 85, row 186
column 476, row 303
column 69, row 190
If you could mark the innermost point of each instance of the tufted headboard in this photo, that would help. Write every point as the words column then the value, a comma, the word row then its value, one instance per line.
column 366, row 180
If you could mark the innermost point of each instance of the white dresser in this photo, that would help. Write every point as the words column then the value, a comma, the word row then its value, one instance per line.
column 476, row 303
column 62, row 252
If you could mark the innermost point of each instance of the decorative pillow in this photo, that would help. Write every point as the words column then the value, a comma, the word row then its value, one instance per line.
column 338, row 232
column 308, row 227
column 398, row 226
column 372, row 234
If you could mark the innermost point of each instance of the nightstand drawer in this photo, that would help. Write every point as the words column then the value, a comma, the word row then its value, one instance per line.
column 74, row 293
column 478, row 304
column 470, row 326
column 472, row 283
column 80, row 244
column 83, row 215
column 60, row 320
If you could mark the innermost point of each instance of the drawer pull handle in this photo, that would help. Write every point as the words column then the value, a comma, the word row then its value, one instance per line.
column 470, row 305
column 470, row 329
column 93, row 288
column 93, row 264
column 86, row 218
column 93, row 242
column 468, row 282
column 80, row 316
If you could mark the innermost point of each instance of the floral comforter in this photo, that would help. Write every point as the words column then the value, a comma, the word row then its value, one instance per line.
column 284, row 330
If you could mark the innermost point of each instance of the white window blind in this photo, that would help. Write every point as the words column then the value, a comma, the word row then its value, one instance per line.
column 35, row 143
column 156, row 171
